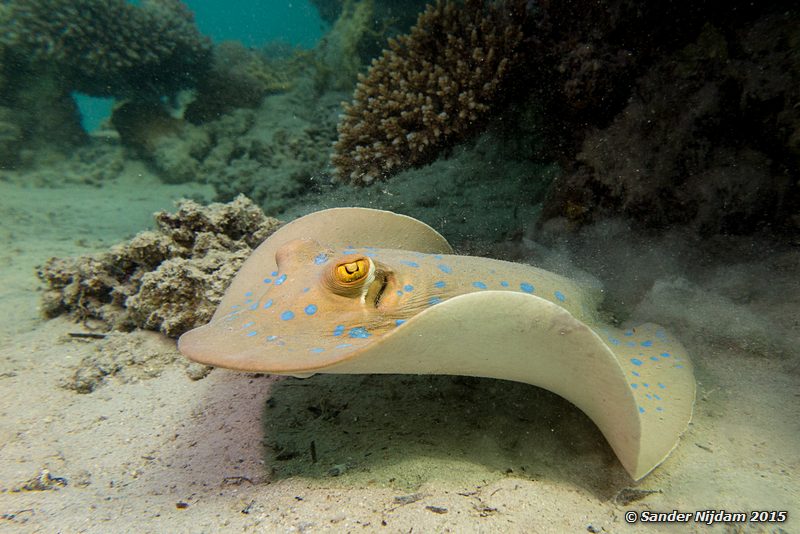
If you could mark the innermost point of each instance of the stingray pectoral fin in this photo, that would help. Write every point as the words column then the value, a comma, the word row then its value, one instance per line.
column 521, row 337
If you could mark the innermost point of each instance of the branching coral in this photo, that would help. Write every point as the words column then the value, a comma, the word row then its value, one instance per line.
column 430, row 89
column 108, row 47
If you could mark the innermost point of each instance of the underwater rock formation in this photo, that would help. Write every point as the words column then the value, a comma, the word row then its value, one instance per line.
column 108, row 47
column 430, row 89
column 169, row 280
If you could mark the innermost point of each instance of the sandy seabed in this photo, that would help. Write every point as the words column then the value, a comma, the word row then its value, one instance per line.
column 232, row 452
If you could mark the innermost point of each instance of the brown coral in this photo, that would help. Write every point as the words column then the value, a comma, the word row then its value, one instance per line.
column 432, row 88
column 168, row 280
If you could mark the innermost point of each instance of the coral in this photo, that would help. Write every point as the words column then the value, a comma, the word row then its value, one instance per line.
column 238, row 78
column 108, row 47
column 271, row 154
column 141, row 124
column 430, row 89
column 340, row 53
column 168, row 280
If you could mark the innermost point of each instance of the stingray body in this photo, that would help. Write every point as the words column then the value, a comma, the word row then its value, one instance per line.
column 355, row 290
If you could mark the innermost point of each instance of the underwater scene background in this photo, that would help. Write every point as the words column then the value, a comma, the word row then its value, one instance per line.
column 648, row 151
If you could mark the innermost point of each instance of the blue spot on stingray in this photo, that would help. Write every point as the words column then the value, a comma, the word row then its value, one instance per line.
column 662, row 386
column 311, row 309
column 437, row 256
column 349, row 252
column 439, row 284
column 679, row 366
column 665, row 354
column 359, row 332
column 656, row 396
column 248, row 325
column 627, row 333
column 645, row 384
column 317, row 349
column 272, row 338
column 251, row 334
column 641, row 410
column 409, row 263
column 446, row 269
column 614, row 341
column 654, row 358
column 408, row 287
column 248, row 301
column 233, row 307
column 630, row 343
column 339, row 330
column 274, row 273
column 268, row 304
column 305, row 289
column 344, row 345
column 634, row 386
column 560, row 296
column 479, row 285
column 254, row 306
column 647, row 343
column 659, row 409
column 504, row 284
column 398, row 322
column 279, row 281
column 248, row 294
column 636, row 361
column 319, row 259
column 635, row 373
column 648, row 396
column 287, row 315
column 526, row 287
column 267, row 280
column 433, row 301
column 399, row 293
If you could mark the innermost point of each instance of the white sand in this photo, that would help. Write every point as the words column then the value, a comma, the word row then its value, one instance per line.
column 492, row 458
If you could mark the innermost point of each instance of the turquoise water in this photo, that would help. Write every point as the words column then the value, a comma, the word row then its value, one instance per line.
column 252, row 23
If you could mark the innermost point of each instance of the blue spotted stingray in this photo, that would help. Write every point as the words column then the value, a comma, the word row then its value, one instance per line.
column 355, row 290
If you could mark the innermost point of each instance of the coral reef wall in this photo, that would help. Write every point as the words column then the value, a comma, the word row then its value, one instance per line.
column 430, row 89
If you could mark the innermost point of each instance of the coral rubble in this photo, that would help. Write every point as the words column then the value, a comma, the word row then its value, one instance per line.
column 430, row 89
column 170, row 279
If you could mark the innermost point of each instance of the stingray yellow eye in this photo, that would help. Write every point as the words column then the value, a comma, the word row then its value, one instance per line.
column 353, row 271
column 350, row 276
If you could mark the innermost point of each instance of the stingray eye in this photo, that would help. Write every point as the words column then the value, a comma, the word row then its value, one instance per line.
column 351, row 276
column 352, row 271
